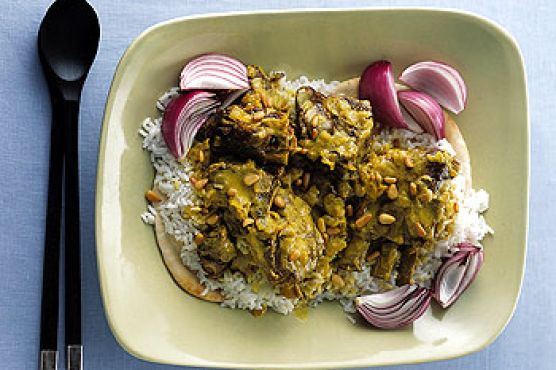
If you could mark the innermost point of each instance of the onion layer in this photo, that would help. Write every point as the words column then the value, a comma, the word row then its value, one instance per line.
column 214, row 72
column 425, row 110
column 183, row 117
column 439, row 80
column 457, row 273
column 377, row 85
column 395, row 308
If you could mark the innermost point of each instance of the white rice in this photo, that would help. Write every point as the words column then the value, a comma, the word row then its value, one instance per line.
column 172, row 178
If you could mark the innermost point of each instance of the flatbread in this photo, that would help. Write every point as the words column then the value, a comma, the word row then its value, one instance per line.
column 453, row 134
column 187, row 280
column 455, row 138
column 348, row 88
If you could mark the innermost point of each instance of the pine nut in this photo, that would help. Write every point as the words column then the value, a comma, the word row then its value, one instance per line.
column 420, row 230
column 279, row 202
column 251, row 179
column 392, row 192
column 247, row 222
column 321, row 225
column 332, row 231
column 212, row 219
column 363, row 220
column 152, row 196
column 386, row 219
column 199, row 237
column 412, row 188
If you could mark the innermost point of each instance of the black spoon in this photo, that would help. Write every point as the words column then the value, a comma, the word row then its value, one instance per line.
column 68, row 41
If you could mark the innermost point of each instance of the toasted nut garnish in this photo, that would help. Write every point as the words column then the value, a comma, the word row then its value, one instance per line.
column 456, row 207
column 152, row 196
column 420, row 230
column 251, row 178
column 390, row 180
column 349, row 210
column 201, row 156
column 201, row 184
column 392, row 192
column 259, row 312
column 363, row 220
column 298, row 182
column 408, row 162
column 426, row 196
column 306, row 179
column 371, row 257
column 412, row 188
column 332, row 231
column 315, row 121
column 314, row 134
column 386, row 219
column 247, row 222
column 212, row 219
column 279, row 202
column 199, row 237
column 259, row 115
column 294, row 255
column 325, row 237
column 232, row 192
column 337, row 281
column 321, row 225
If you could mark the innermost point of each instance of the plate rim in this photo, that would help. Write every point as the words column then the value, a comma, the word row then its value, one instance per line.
column 114, row 85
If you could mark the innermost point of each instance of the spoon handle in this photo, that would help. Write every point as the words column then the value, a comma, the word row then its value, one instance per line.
column 51, row 264
column 72, row 239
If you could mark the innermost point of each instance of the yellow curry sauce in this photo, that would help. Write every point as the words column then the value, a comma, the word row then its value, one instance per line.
column 296, row 192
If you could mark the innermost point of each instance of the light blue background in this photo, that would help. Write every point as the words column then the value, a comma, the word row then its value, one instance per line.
column 529, row 342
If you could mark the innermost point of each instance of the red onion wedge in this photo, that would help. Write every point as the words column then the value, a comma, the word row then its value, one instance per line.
column 466, row 246
column 439, row 80
column 425, row 110
column 377, row 85
column 214, row 72
column 395, row 308
column 412, row 125
column 183, row 117
column 457, row 273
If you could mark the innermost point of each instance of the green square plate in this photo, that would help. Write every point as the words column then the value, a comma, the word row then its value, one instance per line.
column 156, row 321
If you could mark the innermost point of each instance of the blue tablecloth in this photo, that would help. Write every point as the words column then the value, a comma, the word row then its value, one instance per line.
column 529, row 342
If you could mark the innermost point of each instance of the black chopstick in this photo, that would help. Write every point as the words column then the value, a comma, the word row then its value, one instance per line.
column 51, row 264
column 74, row 346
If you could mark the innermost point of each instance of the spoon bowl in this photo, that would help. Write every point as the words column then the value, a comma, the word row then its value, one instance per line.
column 68, row 41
